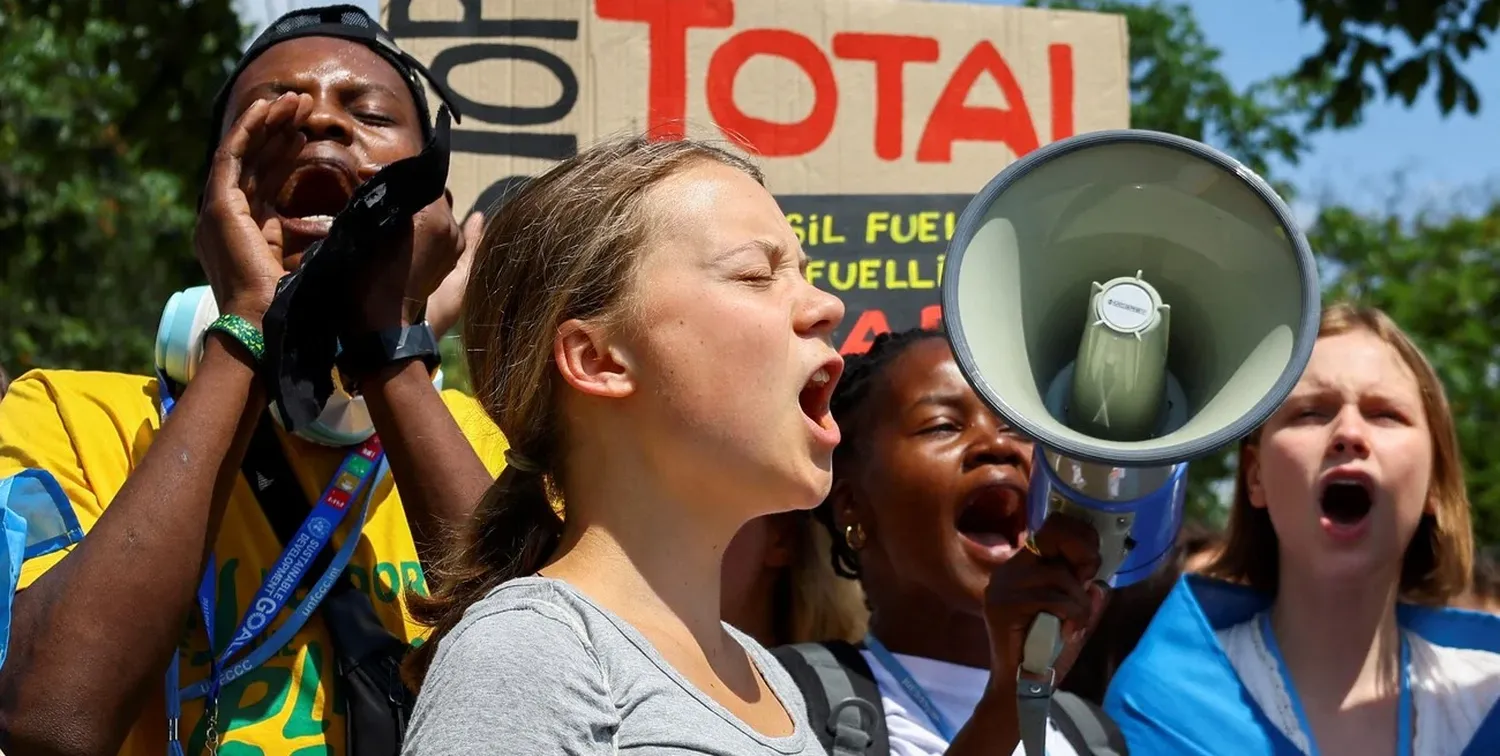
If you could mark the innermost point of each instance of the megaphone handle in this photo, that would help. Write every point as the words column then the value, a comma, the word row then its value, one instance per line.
column 1035, row 681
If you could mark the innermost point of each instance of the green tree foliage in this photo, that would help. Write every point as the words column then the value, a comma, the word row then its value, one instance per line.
column 1395, row 48
column 1176, row 86
column 455, row 362
column 1438, row 276
column 103, row 132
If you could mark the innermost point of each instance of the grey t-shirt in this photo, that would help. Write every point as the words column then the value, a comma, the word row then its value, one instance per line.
column 538, row 668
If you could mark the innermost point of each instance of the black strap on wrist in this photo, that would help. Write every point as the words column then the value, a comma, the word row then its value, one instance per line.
column 363, row 354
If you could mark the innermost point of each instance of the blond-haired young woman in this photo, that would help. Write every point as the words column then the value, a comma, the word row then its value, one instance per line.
column 1348, row 537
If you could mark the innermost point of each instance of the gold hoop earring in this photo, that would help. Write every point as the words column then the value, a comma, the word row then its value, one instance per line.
column 1030, row 545
column 854, row 536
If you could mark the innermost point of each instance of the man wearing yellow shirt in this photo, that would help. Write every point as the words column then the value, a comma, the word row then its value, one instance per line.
column 172, row 524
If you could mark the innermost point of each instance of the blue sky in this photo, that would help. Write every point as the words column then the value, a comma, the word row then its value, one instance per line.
column 1442, row 161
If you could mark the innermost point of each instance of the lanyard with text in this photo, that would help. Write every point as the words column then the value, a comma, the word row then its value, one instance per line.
column 276, row 590
column 1403, row 701
column 911, row 686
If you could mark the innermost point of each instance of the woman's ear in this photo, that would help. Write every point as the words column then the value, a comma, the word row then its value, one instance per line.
column 848, row 512
column 1250, row 461
column 590, row 362
column 842, row 504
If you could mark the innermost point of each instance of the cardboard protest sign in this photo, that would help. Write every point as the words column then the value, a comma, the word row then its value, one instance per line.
column 874, row 120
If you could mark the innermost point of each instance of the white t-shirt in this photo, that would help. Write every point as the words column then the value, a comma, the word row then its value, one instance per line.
column 954, row 689
column 1453, row 689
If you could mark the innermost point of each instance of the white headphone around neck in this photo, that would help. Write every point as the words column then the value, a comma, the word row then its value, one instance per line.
column 345, row 420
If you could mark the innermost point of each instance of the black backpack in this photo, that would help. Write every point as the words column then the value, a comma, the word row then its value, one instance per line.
column 843, row 704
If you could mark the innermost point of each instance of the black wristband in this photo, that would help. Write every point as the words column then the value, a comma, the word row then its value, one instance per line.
column 363, row 354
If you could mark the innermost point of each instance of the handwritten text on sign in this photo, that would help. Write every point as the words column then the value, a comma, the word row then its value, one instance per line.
column 882, row 254
column 834, row 97
column 873, row 120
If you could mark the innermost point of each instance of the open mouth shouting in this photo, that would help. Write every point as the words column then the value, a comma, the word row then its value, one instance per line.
column 814, row 400
column 991, row 521
column 315, row 192
column 1345, row 501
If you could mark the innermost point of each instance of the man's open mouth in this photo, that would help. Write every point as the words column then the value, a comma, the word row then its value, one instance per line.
column 315, row 193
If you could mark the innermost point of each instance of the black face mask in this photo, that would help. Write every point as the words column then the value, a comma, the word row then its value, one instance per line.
column 311, row 306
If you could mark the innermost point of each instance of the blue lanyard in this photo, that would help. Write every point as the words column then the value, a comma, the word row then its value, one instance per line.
column 911, row 686
column 296, row 557
column 1403, row 700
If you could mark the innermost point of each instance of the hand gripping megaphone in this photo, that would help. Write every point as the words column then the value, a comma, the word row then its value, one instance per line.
column 1130, row 300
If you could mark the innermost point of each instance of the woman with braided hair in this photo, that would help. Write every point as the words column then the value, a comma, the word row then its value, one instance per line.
column 927, row 510
column 778, row 588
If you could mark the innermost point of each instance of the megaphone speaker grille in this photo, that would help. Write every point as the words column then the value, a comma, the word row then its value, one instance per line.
column 1234, row 272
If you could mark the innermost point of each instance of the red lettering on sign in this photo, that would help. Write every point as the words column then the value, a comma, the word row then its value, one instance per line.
column 768, row 137
column 953, row 119
column 932, row 317
column 1060, row 66
column 890, row 53
column 668, row 21
column 871, row 323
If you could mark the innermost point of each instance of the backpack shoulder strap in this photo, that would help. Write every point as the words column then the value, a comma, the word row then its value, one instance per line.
column 1090, row 731
column 843, row 701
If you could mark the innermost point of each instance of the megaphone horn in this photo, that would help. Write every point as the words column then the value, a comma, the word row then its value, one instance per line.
column 1130, row 300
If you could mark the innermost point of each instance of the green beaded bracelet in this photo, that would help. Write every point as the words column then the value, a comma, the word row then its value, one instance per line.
column 240, row 330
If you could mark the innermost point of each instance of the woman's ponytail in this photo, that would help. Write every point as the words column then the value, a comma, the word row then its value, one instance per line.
column 513, row 533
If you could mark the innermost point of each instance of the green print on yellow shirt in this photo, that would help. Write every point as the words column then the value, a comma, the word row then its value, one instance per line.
column 69, row 423
column 262, row 695
column 267, row 693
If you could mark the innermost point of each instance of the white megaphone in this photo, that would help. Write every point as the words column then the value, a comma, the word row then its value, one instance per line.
column 345, row 420
column 1130, row 300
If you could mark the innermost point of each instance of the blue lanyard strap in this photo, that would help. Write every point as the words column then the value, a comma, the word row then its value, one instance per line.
column 1404, row 706
column 309, row 540
column 297, row 556
column 911, row 686
column 219, row 675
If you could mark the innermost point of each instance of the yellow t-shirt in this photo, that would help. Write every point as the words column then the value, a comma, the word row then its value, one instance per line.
column 91, row 429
